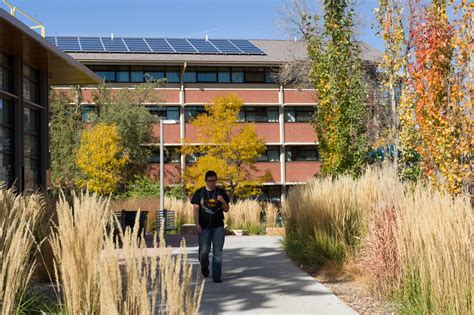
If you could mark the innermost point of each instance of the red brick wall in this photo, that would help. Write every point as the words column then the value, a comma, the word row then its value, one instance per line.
column 270, row 132
column 172, row 172
column 167, row 96
column 172, row 134
column 299, row 96
column 272, row 167
column 248, row 96
column 300, row 132
column 190, row 132
column 300, row 171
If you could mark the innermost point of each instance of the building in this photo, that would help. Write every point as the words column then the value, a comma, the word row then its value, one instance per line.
column 28, row 66
column 197, row 70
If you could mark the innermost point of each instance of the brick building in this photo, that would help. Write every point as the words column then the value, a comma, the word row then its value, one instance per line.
column 197, row 70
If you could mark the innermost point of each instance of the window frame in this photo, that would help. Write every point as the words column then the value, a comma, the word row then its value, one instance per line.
column 298, row 110
column 297, row 157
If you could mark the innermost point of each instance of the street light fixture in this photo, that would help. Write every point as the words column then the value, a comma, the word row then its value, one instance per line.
column 162, row 184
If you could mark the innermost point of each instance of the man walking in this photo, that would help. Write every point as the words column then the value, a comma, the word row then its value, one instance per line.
column 209, row 204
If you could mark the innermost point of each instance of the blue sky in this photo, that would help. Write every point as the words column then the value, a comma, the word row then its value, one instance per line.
column 249, row 19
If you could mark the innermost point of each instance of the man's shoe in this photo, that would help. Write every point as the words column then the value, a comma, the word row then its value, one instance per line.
column 205, row 272
column 217, row 279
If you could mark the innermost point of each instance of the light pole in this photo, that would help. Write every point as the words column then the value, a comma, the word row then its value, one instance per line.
column 162, row 182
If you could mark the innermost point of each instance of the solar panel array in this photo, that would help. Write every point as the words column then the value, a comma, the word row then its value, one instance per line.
column 155, row 45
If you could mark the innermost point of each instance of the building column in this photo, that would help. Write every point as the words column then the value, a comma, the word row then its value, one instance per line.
column 281, row 99
column 182, row 128
column 18, row 140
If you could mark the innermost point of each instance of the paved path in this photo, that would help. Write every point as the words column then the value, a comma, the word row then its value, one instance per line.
column 258, row 278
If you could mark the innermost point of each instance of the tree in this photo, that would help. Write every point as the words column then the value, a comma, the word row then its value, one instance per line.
column 65, row 131
column 228, row 147
column 439, row 91
column 336, row 73
column 125, row 109
column 102, row 159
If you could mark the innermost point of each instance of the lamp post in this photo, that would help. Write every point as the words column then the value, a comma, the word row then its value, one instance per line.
column 162, row 183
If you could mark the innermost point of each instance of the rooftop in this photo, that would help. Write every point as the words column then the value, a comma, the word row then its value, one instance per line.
column 266, row 52
column 18, row 39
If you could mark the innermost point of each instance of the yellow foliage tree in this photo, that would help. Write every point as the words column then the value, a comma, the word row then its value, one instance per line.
column 101, row 158
column 228, row 147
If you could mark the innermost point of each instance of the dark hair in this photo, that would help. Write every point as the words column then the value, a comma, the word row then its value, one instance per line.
column 210, row 174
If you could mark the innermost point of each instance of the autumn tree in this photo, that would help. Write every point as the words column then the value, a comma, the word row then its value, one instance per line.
column 125, row 108
column 336, row 73
column 439, row 92
column 102, row 159
column 65, row 131
column 227, row 147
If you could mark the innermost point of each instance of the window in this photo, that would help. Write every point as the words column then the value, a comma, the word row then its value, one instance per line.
column 107, row 76
column 167, row 112
column 191, row 158
column 192, row 111
column 6, row 73
column 223, row 75
column 270, row 193
column 255, row 75
column 6, row 142
column 301, row 153
column 237, row 75
column 190, row 75
column 270, row 76
column 154, row 74
column 123, row 74
column 172, row 74
column 271, row 154
column 137, row 75
column 258, row 114
column 32, row 175
column 30, row 84
column 171, row 155
column 207, row 74
column 299, row 113
column 193, row 74
column 87, row 111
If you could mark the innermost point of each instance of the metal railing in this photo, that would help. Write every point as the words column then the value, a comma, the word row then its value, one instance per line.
column 14, row 10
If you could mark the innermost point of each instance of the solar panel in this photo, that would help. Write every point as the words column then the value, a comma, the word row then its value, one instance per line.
column 51, row 39
column 91, row 44
column 247, row 47
column 159, row 45
column 203, row 46
column 68, row 43
column 156, row 45
column 114, row 45
column 181, row 45
column 136, row 44
column 225, row 46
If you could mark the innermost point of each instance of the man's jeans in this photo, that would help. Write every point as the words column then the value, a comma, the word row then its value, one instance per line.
column 216, row 236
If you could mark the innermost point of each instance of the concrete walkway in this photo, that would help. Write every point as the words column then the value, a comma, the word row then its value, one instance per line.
column 259, row 278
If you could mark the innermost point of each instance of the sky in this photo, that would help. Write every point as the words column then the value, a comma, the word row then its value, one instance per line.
column 235, row 19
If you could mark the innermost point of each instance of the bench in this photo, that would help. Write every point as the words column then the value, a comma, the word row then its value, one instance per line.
column 166, row 217
column 126, row 218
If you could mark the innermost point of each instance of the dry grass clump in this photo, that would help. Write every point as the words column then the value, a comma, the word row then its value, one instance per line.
column 412, row 242
column 18, row 218
column 134, row 282
column 245, row 215
column 380, row 255
column 434, row 244
column 271, row 215
column 77, row 242
column 95, row 276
